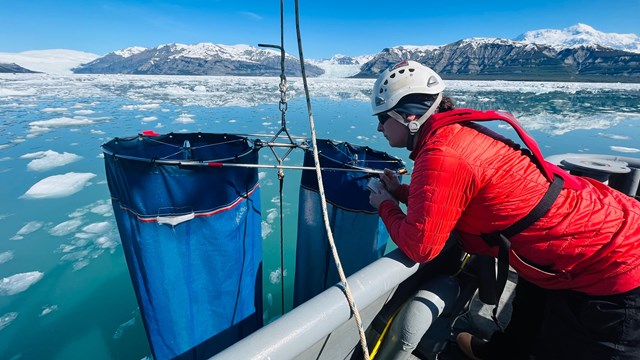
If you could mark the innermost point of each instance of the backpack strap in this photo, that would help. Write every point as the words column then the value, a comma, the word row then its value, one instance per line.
column 501, row 238
column 457, row 116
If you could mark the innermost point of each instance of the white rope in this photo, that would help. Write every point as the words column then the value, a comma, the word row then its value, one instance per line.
column 323, row 200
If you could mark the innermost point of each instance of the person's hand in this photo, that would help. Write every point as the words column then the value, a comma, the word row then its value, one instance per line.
column 376, row 198
column 390, row 180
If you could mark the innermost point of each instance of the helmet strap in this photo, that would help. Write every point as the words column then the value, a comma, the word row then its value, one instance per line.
column 410, row 140
column 415, row 125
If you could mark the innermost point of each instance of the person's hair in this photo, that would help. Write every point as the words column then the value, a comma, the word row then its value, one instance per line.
column 446, row 104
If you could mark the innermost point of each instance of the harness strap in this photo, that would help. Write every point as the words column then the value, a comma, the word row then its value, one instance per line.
column 501, row 238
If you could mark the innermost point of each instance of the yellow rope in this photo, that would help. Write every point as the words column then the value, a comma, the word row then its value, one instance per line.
column 374, row 352
column 464, row 262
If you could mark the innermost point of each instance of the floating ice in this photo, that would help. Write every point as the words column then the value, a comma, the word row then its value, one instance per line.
column 4, row 216
column 66, row 248
column 274, row 276
column 80, row 264
column 84, row 235
column 51, row 110
column 84, row 112
column 96, row 132
column 58, row 186
column 98, row 228
column 122, row 328
column 46, row 310
column 10, row 92
column 18, row 283
column 80, row 242
column 185, row 119
column 102, row 209
column 614, row 136
column 106, row 242
column 141, row 107
column 30, row 227
column 272, row 214
column 65, row 228
column 149, row 119
column 6, row 256
column 7, row 319
column 62, row 122
column 624, row 149
column 74, row 256
column 266, row 229
column 46, row 160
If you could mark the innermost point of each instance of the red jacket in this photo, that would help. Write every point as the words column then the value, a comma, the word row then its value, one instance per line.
column 469, row 179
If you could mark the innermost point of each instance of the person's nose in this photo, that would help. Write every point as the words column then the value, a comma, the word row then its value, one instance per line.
column 380, row 127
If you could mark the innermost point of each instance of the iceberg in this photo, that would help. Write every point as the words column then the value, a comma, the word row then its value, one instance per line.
column 58, row 186
column 18, row 283
column 46, row 160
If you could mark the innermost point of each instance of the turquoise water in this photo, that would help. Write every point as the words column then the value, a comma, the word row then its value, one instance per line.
column 65, row 291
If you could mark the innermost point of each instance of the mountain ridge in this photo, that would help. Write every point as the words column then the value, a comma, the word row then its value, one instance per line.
column 577, row 53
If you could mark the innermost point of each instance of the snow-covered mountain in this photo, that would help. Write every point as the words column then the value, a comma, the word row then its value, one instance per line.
column 196, row 59
column 574, row 53
column 577, row 53
column 56, row 61
column 581, row 34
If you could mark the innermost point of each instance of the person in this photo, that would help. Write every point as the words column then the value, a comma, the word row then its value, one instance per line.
column 574, row 242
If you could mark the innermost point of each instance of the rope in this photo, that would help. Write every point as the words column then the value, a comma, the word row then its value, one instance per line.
column 323, row 200
column 283, row 109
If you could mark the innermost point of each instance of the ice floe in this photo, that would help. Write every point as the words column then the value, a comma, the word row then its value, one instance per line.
column 46, row 160
column 149, row 118
column 104, row 209
column 62, row 122
column 98, row 228
column 7, row 319
column 123, row 327
column 48, row 309
column 58, row 186
column 142, row 107
column 53, row 110
column 6, row 256
column 274, row 276
column 27, row 229
column 624, row 149
column 185, row 119
column 65, row 228
column 18, row 283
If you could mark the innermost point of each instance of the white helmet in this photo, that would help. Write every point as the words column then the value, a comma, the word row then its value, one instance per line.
column 401, row 79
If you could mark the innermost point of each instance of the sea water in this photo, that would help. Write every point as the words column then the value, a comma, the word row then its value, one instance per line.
column 65, row 291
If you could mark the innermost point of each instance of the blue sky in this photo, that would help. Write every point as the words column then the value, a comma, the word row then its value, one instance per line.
column 328, row 27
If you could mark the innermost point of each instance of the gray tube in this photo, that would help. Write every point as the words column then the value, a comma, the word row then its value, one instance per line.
column 298, row 330
column 417, row 316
